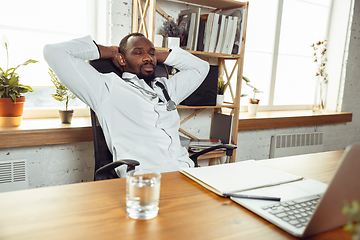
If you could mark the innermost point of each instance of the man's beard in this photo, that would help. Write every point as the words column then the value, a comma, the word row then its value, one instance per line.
column 147, row 78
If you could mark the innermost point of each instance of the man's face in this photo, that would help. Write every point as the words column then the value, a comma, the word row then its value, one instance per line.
column 140, row 58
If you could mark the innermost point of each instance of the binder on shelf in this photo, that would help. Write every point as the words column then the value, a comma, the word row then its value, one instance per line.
column 190, row 18
column 238, row 15
column 209, row 25
column 227, row 35
column 222, row 125
column 214, row 33
column 201, row 33
column 221, row 33
column 190, row 43
column 232, row 36
column 241, row 33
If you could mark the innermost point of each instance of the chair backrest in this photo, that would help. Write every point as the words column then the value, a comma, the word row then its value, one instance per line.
column 102, row 154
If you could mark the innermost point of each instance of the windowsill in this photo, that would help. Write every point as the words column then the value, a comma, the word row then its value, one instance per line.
column 46, row 131
column 50, row 131
column 294, row 118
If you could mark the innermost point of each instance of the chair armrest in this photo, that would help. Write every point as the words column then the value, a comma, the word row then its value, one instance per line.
column 108, row 171
column 229, row 151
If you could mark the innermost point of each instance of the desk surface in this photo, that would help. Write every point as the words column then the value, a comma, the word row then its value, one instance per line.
column 96, row 210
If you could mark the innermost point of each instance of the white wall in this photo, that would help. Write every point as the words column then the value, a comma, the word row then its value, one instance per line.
column 56, row 164
column 72, row 163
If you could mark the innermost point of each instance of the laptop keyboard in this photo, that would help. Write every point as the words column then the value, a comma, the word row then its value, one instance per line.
column 296, row 212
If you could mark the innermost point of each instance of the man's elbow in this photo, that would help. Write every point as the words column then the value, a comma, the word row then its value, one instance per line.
column 205, row 69
column 48, row 52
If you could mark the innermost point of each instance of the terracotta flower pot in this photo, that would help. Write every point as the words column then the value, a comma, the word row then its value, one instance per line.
column 9, row 108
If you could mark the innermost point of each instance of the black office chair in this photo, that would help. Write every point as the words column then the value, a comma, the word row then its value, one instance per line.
column 104, row 165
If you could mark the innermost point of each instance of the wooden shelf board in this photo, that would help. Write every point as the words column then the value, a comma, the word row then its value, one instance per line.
column 207, row 54
column 223, row 4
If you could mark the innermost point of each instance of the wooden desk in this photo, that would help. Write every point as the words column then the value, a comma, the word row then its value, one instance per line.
column 96, row 210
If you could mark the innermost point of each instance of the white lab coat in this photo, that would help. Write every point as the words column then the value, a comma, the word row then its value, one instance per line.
column 136, row 125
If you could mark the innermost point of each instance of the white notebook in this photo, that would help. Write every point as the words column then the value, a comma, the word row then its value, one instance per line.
column 238, row 177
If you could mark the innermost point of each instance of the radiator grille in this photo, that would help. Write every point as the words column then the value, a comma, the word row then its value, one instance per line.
column 297, row 143
column 13, row 175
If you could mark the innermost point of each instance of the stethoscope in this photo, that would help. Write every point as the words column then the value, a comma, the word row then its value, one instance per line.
column 170, row 104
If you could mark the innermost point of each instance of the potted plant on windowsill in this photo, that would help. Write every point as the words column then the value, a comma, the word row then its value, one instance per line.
column 63, row 94
column 11, row 100
column 253, row 102
column 221, row 86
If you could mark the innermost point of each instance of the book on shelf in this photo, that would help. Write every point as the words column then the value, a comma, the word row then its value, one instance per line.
column 238, row 25
column 238, row 177
column 184, row 21
column 221, row 33
column 207, row 35
column 232, row 36
column 214, row 33
column 190, row 19
column 190, row 42
column 226, row 42
column 201, row 33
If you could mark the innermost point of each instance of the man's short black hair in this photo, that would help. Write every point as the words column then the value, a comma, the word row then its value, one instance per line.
column 124, row 41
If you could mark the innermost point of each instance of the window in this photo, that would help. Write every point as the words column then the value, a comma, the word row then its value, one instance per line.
column 278, row 56
column 29, row 25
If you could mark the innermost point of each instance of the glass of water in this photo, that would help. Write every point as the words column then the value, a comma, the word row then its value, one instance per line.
column 142, row 193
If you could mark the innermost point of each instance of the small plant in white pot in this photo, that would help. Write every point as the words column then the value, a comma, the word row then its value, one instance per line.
column 253, row 102
column 221, row 87
column 172, row 32
column 63, row 94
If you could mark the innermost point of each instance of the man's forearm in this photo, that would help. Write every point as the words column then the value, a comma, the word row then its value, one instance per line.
column 162, row 55
column 108, row 52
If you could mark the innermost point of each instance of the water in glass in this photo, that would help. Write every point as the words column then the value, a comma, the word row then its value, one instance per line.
column 142, row 194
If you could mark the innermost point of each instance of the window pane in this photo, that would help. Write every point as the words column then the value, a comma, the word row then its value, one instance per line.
column 29, row 25
column 259, row 47
column 257, row 67
column 261, row 25
column 303, row 23
column 41, row 98
column 295, row 82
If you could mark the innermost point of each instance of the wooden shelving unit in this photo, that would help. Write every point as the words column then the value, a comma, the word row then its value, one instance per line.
column 144, row 12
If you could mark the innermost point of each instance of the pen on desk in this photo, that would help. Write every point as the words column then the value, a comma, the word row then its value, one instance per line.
column 252, row 196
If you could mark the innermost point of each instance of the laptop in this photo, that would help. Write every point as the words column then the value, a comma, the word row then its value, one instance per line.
column 321, row 204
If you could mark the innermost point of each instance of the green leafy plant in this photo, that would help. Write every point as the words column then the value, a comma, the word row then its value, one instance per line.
column 255, row 90
column 353, row 213
column 62, row 93
column 221, row 86
column 10, row 86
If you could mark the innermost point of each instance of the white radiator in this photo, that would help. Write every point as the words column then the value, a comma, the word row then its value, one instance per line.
column 13, row 175
column 283, row 145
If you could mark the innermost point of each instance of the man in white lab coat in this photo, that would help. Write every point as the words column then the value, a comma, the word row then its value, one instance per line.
column 139, row 121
